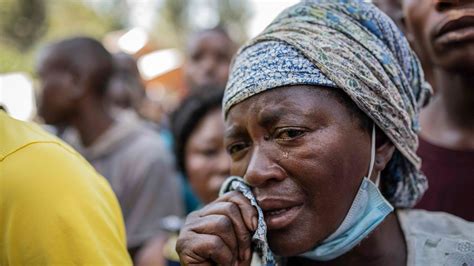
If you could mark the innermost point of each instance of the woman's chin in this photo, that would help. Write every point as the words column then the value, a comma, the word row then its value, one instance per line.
column 287, row 251
column 287, row 245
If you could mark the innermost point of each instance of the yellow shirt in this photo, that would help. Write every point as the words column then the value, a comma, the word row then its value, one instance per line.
column 55, row 209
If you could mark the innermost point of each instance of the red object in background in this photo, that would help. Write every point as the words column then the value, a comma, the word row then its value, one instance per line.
column 450, row 180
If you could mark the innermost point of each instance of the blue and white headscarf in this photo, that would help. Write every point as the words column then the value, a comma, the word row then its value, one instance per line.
column 352, row 46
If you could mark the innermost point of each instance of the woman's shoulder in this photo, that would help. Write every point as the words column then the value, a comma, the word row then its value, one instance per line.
column 437, row 237
column 439, row 224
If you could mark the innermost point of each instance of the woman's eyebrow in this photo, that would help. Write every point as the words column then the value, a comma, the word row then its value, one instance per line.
column 271, row 116
column 233, row 132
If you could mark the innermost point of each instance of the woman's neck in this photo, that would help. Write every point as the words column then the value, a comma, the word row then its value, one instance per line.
column 448, row 120
column 384, row 246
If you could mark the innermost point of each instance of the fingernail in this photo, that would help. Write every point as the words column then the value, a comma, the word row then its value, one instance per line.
column 254, row 223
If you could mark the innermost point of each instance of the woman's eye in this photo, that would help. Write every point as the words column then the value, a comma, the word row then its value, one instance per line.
column 209, row 152
column 234, row 148
column 289, row 133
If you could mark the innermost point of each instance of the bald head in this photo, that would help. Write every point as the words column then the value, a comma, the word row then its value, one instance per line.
column 72, row 72
column 83, row 58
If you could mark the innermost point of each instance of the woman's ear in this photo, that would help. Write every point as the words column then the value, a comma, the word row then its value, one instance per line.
column 383, row 152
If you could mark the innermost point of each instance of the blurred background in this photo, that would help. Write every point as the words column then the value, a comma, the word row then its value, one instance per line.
column 154, row 32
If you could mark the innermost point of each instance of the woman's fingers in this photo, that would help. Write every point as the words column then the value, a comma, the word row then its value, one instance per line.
column 249, row 213
column 231, row 211
column 219, row 225
column 219, row 233
column 204, row 249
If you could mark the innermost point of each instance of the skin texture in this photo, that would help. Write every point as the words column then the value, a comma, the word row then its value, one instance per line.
column 59, row 94
column 299, row 148
column 207, row 161
column 448, row 121
column 209, row 56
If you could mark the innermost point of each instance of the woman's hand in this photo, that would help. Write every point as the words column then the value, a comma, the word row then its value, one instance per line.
column 220, row 233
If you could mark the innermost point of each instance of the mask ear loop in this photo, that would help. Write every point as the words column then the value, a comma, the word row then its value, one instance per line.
column 372, row 156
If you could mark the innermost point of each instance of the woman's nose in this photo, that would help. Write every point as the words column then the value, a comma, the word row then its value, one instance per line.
column 263, row 168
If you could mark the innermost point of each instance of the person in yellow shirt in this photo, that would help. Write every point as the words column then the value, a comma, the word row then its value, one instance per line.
column 54, row 207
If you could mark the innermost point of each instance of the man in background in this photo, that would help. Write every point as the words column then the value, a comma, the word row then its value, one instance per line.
column 74, row 74
column 442, row 34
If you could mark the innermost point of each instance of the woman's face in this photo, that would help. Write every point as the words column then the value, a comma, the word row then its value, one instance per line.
column 305, row 156
column 206, row 160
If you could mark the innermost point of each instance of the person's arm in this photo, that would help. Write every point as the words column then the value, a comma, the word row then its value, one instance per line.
column 56, row 209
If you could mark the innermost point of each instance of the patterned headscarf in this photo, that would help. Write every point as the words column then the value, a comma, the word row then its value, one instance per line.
column 348, row 45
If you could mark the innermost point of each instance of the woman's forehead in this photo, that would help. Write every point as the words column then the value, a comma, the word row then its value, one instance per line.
column 288, row 101
column 292, row 96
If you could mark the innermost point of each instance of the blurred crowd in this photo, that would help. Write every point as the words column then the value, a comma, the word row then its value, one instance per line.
column 111, row 184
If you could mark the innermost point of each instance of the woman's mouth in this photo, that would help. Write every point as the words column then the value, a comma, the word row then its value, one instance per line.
column 278, row 217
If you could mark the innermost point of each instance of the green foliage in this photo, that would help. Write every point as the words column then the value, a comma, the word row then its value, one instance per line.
column 234, row 16
column 12, row 60
column 72, row 17
column 23, row 22
column 27, row 25
column 174, row 26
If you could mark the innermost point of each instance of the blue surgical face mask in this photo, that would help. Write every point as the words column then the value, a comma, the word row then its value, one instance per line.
column 367, row 211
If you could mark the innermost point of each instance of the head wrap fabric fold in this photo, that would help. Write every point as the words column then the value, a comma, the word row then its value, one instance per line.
column 353, row 46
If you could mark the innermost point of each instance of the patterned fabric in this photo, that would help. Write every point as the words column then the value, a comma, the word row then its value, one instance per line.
column 353, row 46
column 259, row 238
column 437, row 238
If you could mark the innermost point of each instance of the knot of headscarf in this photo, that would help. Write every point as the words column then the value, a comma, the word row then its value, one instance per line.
column 348, row 45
